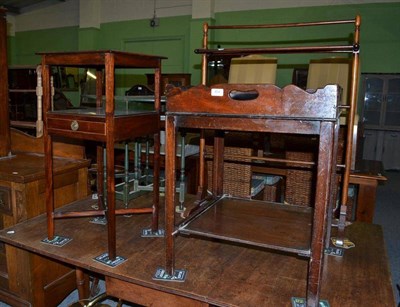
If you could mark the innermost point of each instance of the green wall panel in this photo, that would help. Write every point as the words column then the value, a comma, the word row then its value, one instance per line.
column 10, row 48
column 30, row 42
column 88, row 38
column 169, row 39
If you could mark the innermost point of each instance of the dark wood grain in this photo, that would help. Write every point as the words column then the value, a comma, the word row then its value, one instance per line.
column 219, row 273
column 25, row 167
column 258, row 223
column 62, row 147
column 5, row 146
column 92, row 58
column 289, row 102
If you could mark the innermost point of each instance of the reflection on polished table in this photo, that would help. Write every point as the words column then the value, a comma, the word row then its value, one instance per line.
column 366, row 175
column 221, row 274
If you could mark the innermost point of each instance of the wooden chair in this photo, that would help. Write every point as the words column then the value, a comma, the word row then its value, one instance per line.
column 335, row 70
column 254, row 68
column 330, row 71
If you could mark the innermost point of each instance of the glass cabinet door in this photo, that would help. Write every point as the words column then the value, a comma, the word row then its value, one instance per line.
column 373, row 99
column 392, row 113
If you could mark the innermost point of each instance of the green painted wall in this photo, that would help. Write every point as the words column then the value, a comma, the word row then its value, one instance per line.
column 170, row 39
column 380, row 33
column 177, row 37
column 10, row 49
column 29, row 42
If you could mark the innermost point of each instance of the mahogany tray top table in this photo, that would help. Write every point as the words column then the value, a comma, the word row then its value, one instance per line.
column 260, row 108
column 103, row 124
column 291, row 229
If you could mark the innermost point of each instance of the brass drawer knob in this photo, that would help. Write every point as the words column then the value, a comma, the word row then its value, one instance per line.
column 74, row 125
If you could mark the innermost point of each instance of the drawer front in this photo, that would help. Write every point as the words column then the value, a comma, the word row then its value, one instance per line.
column 76, row 128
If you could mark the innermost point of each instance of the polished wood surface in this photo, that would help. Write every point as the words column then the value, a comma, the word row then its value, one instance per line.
column 219, row 273
column 24, row 167
column 4, row 114
column 127, row 126
column 367, row 175
column 62, row 147
column 369, row 168
column 258, row 101
column 264, row 224
column 96, row 58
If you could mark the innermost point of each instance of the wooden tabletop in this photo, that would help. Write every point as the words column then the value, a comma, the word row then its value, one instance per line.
column 369, row 169
column 25, row 167
column 224, row 274
column 364, row 169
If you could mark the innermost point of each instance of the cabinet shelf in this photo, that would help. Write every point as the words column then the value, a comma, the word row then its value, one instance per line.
column 22, row 90
column 275, row 226
column 382, row 120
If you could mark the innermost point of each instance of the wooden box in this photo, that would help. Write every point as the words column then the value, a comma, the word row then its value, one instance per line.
column 27, row 279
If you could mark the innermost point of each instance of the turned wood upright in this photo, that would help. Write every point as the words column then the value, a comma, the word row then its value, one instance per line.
column 5, row 146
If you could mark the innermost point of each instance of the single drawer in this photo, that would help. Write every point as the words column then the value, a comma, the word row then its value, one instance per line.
column 77, row 128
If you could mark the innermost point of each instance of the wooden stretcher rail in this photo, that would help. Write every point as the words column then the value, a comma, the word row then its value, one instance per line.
column 284, row 25
column 308, row 49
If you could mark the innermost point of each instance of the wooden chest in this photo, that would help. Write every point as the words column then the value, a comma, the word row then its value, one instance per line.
column 27, row 278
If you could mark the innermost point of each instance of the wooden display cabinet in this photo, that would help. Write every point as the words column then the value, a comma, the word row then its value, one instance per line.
column 22, row 93
column 104, row 125
column 380, row 96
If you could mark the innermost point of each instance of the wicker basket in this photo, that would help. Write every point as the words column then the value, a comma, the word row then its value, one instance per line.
column 272, row 192
column 299, row 179
column 237, row 172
